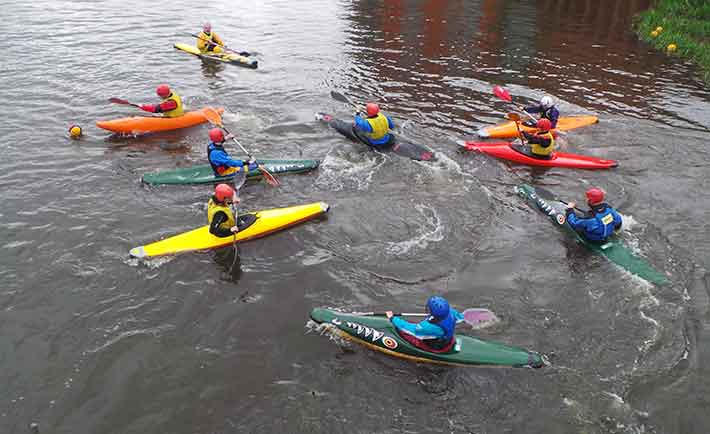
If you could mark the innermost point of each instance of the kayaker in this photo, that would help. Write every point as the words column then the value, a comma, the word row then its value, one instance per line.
column 601, row 220
column 219, row 159
column 170, row 106
column 220, row 216
column 207, row 40
column 547, row 110
column 436, row 333
column 375, row 129
column 541, row 142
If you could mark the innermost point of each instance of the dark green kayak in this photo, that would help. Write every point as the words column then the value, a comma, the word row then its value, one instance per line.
column 614, row 249
column 378, row 333
column 205, row 175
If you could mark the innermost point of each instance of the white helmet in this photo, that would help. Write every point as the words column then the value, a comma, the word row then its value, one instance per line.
column 546, row 102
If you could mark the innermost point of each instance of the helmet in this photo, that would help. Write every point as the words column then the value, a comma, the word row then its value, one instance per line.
column 216, row 135
column 438, row 307
column 595, row 196
column 546, row 102
column 163, row 91
column 544, row 125
column 207, row 27
column 372, row 109
column 223, row 192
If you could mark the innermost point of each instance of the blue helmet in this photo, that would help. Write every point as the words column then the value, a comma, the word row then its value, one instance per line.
column 438, row 307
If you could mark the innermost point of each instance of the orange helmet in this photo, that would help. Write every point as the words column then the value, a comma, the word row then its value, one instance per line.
column 163, row 91
column 544, row 125
column 216, row 135
column 372, row 109
column 223, row 192
column 595, row 196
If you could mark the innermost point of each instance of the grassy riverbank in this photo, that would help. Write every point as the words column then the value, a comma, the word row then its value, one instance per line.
column 685, row 23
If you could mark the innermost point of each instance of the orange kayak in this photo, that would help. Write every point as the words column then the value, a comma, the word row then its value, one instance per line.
column 152, row 124
column 507, row 130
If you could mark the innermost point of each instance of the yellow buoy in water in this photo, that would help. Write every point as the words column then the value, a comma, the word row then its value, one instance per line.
column 659, row 29
column 75, row 131
column 671, row 48
column 654, row 34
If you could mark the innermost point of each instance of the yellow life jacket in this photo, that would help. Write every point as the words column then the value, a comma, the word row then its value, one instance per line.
column 380, row 127
column 204, row 46
column 177, row 111
column 544, row 151
column 214, row 207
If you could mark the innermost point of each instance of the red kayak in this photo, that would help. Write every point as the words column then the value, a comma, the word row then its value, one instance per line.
column 505, row 151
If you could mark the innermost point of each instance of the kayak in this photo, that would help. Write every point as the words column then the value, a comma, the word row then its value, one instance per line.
column 153, row 124
column 378, row 333
column 204, row 174
column 614, row 249
column 505, row 151
column 507, row 130
column 400, row 146
column 251, row 225
column 231, row 58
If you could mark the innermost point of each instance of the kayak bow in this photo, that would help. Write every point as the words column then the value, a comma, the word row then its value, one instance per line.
column 505, row 151
column 379, row 334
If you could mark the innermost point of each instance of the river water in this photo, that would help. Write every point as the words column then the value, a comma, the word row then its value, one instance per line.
column 94, row 342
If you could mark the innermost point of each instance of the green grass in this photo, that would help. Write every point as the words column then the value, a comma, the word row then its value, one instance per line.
column 685, row 23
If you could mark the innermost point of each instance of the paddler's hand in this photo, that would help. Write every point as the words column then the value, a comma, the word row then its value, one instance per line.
column 147, row 108
column 229, row 136
column 251, row 165
column 234, row 229
column 389, row 314
column 570, row 207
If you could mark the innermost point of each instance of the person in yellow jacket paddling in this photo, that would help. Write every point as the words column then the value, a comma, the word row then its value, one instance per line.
column 170, row 106
column 221, row 217
column 375, row 128
column 208, row 41
column 541, row 143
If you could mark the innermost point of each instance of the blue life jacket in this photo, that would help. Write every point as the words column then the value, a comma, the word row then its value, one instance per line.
column 218, row 170
column 600, row 224
column 448, row 325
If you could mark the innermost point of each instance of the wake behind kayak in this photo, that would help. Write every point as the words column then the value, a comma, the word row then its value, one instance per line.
column 401, row 147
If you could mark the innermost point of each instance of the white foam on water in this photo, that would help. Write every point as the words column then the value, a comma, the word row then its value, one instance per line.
column 337, row 173
column 431, row 231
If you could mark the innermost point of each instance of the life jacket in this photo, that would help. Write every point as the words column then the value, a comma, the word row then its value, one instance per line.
column 605, row 221
column 203, row 42
column 543, row 151
column 448, row 325
column 218, row 170
column 380, row 127
column 178, row 110
column 213, row 207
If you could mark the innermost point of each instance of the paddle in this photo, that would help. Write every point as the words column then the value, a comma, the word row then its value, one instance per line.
column 547, row 194
column 239, row 180
column 474, row 316
column 122, row 102
column 516, row 118
column 342, row 98
column 505, row 96
column 215, row 119
column 241, row 53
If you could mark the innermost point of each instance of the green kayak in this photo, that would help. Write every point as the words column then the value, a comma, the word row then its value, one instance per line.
column 378, row 333
column 614, row 249
column 204, row 174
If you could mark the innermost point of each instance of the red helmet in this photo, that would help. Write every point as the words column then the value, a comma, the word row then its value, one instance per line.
column 544, row 125
column 223, row 192
column 595, row 196
column 372, row 109
column 216, row 135
column 163, row 91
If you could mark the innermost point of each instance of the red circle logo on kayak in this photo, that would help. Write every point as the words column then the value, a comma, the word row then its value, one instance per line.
column 389, row 342
column 561, row 219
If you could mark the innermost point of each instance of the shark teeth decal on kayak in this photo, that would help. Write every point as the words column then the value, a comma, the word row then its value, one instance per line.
column 366, row 332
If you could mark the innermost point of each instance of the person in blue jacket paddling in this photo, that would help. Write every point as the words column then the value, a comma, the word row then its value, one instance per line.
column 436, row 333
column 547, row 110
column 375, row 129
column 601, row 220
column 219, row 159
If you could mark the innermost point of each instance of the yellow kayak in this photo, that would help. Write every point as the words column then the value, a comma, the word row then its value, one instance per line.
column 507, row 130
column 232, row 58
column 265, row 222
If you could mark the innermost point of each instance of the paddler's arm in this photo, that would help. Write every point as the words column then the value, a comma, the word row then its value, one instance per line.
column 422, row 330
column 458, row 315
column 221, row 158
column 159, row 108
column 217, row 39
column 538, row 140
column 554, row 116
column 219, row 218
column 390, row 124
column 362, row 124
column 533, row 108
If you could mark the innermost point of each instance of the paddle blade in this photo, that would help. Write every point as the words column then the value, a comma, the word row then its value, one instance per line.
column 502, row 94
column 479, row 317
column 513, row 117
column 119, row 101
column 268, row 177
column 339, row 96
column 212, row 116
